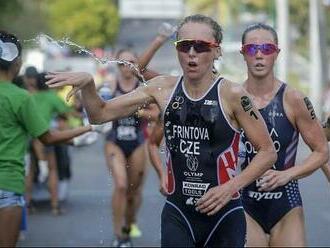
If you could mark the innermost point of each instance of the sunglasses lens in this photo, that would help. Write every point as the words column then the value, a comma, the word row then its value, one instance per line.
column 202, row 46
column 184, row 45
column 199, row 46
column 250, row 49
column 268, row 49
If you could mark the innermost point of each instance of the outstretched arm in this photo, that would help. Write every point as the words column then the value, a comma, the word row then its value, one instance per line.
column 66, row 136
column 98, row 110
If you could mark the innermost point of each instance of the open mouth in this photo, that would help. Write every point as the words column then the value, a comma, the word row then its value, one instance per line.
column 192, row 64
column 259, row 66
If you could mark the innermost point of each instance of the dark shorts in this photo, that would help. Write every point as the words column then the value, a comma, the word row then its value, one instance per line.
column 63, row 161
column 49, row 149
column 268, row 209
column 227, row 228
column 127, row 146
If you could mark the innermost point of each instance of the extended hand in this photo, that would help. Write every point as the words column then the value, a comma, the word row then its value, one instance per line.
column 75, row 79
column 85, row 139
column 273, row 179
column 215, row 199
column 102, row 128
column 166, row 30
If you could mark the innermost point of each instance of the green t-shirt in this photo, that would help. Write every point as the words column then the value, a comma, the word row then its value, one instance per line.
column 19, row 118
column 50, row 104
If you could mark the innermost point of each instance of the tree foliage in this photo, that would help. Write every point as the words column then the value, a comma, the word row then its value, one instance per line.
column 93, row 23
column 299, row 19
column 9, row 8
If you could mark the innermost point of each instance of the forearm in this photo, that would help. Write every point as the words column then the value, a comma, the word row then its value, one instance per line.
column 312, row 163
column 55, row 137
column 261, row 162
column 147, row 55
column 93, row 104
column 38, row 149
column 326, row 170
column 155, row 159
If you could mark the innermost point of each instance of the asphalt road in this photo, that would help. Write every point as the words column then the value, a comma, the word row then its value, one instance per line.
column 88, row 218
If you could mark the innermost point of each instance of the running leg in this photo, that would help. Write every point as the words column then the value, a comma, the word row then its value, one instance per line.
column 117, row 165
column 53, row 182
column 136, row 175
column 256, row 237
column 290, row 230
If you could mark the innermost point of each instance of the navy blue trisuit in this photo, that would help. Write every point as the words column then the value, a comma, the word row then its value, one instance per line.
column 267, row 208
column 127, row 133
column 201, row 153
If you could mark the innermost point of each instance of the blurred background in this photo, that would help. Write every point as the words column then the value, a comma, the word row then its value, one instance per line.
column 107, row 25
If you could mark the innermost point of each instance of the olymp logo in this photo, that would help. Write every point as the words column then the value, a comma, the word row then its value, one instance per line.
column 192, row 163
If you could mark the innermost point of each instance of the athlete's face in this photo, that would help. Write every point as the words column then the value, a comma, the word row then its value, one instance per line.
column 196, row 58
column 125, row 71
column 259, row 59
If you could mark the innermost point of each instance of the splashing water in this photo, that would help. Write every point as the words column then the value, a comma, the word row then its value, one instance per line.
column 44, row 38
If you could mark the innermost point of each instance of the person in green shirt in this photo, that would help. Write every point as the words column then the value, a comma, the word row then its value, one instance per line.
column 19, row 119
column 49, row 105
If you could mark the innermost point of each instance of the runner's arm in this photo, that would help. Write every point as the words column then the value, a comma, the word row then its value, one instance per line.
column 153, row 148
column 163, row 35
column 98, row 110
column 251, row 121
column 66, row 136
column 311, row 131
column 242, row 112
